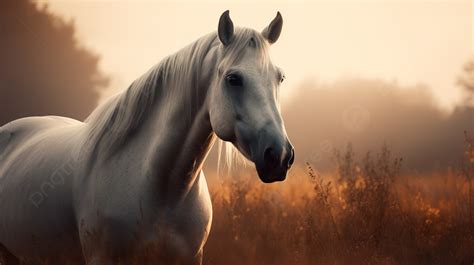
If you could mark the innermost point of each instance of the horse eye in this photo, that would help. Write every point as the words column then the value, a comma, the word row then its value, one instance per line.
column 234, row 80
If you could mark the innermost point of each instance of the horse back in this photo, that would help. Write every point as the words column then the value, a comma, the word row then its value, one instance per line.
column 18, row 132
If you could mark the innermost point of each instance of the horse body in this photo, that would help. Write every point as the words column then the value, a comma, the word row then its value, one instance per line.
column 121, row 207
column 148, row 197
column 126, row 186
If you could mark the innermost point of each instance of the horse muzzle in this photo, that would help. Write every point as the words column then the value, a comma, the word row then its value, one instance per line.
column 269, row 149
column 274, row 160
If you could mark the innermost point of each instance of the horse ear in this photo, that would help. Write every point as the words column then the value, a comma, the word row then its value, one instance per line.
column 226, row 28
column 272, row 31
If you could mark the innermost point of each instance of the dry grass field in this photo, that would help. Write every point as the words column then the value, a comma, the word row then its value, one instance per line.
column 366, row 212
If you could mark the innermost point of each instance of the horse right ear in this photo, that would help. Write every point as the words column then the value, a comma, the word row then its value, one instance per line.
column 272, row 32
column 226, row 28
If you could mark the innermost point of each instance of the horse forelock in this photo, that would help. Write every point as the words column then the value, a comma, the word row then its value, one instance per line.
column 243, row 40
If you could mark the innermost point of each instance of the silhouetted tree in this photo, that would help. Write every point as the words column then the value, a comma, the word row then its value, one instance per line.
column 43, row 69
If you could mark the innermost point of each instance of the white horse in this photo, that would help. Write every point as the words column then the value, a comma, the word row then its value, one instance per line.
column 126, row 186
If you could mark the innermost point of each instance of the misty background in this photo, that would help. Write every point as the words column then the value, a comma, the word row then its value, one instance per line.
column 46, row 70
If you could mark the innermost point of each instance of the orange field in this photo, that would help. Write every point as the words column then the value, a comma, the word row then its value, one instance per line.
column 367, row 212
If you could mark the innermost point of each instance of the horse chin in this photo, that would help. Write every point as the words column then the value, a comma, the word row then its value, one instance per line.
column 271, row 176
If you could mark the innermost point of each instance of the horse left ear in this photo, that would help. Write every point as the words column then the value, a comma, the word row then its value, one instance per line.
column 226, row 28
column 272, row 31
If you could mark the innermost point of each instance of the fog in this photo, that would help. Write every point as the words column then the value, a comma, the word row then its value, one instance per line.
column 370, row 113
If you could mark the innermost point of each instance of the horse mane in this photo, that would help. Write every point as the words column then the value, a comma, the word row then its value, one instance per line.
column 178, row 74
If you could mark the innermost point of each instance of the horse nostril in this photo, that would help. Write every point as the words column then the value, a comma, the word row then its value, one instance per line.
column 292, row 158
column 270, row 158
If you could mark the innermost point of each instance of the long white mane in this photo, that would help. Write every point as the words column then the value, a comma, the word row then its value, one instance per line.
column 111, row 123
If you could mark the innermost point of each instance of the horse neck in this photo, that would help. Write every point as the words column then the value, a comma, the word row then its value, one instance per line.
column 179, row 136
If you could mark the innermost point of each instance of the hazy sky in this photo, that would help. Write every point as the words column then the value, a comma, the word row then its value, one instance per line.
column 408, row 41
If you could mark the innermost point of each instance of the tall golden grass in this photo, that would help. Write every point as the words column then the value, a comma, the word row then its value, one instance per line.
column 367, row 212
